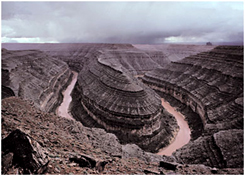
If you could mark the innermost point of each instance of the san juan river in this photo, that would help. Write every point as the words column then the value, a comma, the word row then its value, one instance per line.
column 184, row 134
column 63, row 109
column 182, row 138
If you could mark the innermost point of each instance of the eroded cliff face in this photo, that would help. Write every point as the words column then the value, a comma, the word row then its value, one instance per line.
column 207, row 87
column 108, row 96
column 77, row 55
column 211, row 85
column 175, row 52
column 116, row 101
column 223, row 149
column 33, row 75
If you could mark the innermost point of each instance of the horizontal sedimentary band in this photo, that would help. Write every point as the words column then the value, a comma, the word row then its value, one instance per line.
column 35, row 76
column 211, row 85
column 120, row 103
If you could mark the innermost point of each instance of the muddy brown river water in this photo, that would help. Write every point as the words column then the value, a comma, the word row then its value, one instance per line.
column 63, row 109
column 184, row 134
column 182, row 138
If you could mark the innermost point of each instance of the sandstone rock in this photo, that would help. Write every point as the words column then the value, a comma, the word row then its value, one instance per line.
column 152, row 172
column 27, row 153
column 116, row 101
column 168, row 165
column 231, row 145
column 7, row 161
column 137, row 109
column 207, row 85
column 83, row 162
column 77, row 55
column 133, row 151
column 134, row 163
column 210, row 84
column 7, row 92
column 33, row 75
column 175, row 52
column 100, row 165
column 214, row 170
column 89, row 161
column 223, row 149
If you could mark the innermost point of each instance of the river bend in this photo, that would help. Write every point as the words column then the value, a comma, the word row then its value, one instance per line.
column 184, row 133
column 182, row 138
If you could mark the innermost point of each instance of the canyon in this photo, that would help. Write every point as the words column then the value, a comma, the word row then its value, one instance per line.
column 118, row 94
column 209, row 84
column 35, row 76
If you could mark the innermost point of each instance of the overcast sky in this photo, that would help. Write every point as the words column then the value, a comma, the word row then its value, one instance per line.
column 122, row 22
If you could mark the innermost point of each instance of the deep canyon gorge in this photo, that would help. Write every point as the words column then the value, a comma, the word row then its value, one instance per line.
column 117, row 106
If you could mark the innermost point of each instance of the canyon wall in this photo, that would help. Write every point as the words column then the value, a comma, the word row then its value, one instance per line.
column 76, row 55
column 72, row 148
column 207, row 87
column 175, row 52
column 107, row 95
column 115, row 100
column 35, row 76
column 211, row 85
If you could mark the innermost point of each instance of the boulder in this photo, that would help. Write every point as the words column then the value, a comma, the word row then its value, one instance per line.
column 7, row 161
column 20, row 150
column 168, row 165
column 88, row 161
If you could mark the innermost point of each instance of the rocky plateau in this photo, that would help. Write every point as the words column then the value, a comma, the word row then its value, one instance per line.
column 116, row 105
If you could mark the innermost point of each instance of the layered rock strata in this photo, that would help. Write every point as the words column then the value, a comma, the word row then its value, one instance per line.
column 175, row 52
column 223, row 149
column 118, row 102
column 64, row 139
column 211, row 85
column 76, row 55
column 35, row 76
column 220, row 144
column 138, row 111
column 135, row 61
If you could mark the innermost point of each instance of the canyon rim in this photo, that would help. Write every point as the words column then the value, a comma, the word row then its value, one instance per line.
column 146, row 88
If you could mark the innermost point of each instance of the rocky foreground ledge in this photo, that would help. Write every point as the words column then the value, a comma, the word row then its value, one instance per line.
column 55, row 145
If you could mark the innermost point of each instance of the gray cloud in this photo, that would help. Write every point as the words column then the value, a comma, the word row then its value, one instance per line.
column 122, row 22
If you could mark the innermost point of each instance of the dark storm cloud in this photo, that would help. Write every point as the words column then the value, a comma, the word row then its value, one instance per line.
column 122, row 22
